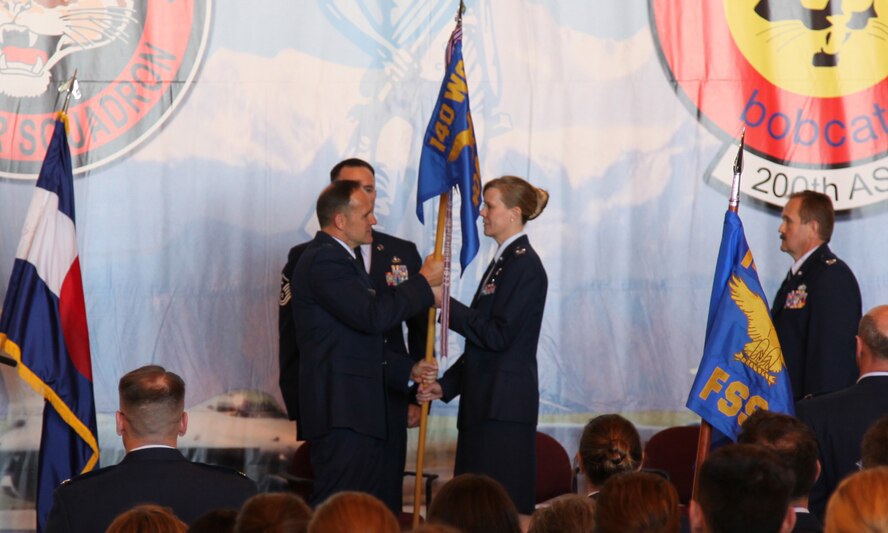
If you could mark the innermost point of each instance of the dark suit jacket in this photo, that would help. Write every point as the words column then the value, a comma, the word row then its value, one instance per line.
column 817, row 335
column 389, row 255
column 496, row 377
column 807, row 523
column 90, row 502
column 340, row 322
column 839, row 420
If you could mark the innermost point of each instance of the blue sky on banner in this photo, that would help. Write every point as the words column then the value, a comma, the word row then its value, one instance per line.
column 184, row 239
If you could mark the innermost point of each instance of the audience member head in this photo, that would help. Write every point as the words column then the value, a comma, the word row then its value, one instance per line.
column 354, row 169
column 152, row 407
column 874, row 448
column 859, row 503
column 216, row 521
column 609, row 445
column 273, row 512
column 637, row 502
column 794, row 443
column 567, row 514
column 353, row 512
column 872, row 340
column 147, row 519
column 516, row 192
column 474, row 504
column 743, row 488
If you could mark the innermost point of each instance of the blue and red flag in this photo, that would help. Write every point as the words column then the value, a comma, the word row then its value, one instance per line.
column 449, row 151
column 43, row 325
column 742, row 367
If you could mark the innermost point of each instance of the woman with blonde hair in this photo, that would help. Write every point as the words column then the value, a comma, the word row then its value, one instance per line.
column 859, row 503
column 496, row 376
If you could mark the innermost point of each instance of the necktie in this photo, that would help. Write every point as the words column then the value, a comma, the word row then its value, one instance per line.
column 359, row 257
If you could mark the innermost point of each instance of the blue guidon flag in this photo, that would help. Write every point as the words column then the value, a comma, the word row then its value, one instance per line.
column 742, row 367
column 43, row 325
column 449, row 151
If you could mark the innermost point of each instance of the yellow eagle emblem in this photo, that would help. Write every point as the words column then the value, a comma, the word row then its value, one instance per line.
column 762, row 353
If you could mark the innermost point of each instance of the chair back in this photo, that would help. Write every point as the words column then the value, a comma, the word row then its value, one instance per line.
column 674, row 451
column 554, row 474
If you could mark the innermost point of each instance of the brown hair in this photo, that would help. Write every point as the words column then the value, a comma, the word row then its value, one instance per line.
column 152, row 400
column 147, row 519
column 816, row 206
column 335, row 199
column 858, row 503
column 874, row 447
column 568, row 514
column 353, row 512
column 609, row 445
column 637, row 502
column 793, row 441
column 516, row 192
column 275, row 512
column 350, row 162
column 475, row 504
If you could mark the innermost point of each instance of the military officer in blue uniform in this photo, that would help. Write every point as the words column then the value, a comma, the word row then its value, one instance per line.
column 150, row 420
column 390, row 262
column 496, row 377
column 818, row 306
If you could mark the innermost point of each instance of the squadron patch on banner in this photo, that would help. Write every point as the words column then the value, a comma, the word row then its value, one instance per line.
column 135, row 62
column 807, row 79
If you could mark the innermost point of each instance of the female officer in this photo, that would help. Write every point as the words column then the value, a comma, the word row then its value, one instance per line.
column 496, row 376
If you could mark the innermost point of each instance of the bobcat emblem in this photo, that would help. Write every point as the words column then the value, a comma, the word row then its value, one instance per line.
column 834, row 23
column 36, row 34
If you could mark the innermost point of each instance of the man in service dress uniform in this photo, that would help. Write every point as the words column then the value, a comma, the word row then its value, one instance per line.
column 818, row 306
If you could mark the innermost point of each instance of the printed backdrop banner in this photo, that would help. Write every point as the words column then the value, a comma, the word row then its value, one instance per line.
column 207, row 129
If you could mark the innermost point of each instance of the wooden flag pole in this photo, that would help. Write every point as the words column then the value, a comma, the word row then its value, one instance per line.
column 704, row 442
column 443, row 208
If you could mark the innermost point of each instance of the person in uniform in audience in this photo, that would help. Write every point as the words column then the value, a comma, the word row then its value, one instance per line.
column 390, row 262
column 859, row 503
column 840, row 419
column 637, row 502
column 496, row 376
column 150, row 420
column 609, row 445
column 743, row 488
column 344, row 363
column 818, row 306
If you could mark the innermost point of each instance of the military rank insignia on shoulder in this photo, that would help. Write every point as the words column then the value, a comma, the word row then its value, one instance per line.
column 797, row 299
column 831, row 262
column 520, row 251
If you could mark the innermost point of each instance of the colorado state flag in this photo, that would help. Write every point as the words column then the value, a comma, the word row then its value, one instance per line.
column 449, row 151
column 742, row 367
column 43, row 325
